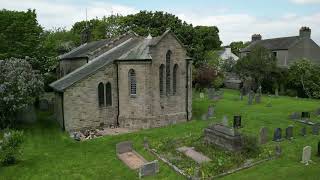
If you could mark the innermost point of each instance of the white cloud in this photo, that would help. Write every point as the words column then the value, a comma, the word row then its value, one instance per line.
column 305, row 1
column 54, row 14
column 240, row 27
column 233, row 27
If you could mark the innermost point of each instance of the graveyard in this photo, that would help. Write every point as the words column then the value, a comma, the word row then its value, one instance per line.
column 50, row 153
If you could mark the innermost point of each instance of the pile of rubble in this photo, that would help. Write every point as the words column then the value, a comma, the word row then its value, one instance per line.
column 86, row 134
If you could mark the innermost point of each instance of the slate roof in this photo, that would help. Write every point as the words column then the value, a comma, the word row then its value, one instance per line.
column 83, row 50
column 282, row 43
column 134, row 48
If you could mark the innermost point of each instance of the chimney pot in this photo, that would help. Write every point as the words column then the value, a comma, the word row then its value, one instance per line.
column 305, row 32
column 256, row 37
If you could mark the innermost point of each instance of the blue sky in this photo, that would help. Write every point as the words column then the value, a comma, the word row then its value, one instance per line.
column 236, row 19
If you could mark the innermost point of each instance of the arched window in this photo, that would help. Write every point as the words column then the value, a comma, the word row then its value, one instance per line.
column 174, row 80
column 168, row 67
column 101, row 94
column 132, row 82
column 108, row 94
column 161, row 78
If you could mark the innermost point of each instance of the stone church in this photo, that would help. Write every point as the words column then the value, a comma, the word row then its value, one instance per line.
column 128, row 81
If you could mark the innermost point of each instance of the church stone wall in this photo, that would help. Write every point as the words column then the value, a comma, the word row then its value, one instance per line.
column 81, row 108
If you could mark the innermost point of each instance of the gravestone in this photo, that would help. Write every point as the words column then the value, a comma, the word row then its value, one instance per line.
column 317, row 112
column 211, row 93
column 242, row 93
column 277, row 134
column 149, row 169
column 43, row 105
column 210, row 112
column 204, row 117
column 303, row 131
column 236, row 121
column 289, row 132
column 258, row 99
column 124, row 147
column 294, row 116
column 278, row 150
column 145, row 143
column 263, row 135
column 201, row 95
column 225, row 121
column 319, row 148
column 250, row 98
column 315, row 129
column 306, row 155
column 305, row 116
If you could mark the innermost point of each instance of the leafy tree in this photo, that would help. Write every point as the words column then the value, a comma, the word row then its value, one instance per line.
column 257, row 65
column 304, row 74
column 19, row 34
column 19, row 84
column 237, row 46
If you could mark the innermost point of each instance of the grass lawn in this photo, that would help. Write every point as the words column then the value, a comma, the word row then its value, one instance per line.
column 50, row 154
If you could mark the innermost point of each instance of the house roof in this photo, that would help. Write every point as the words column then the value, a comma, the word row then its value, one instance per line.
column 282, row 43
column 133, row 48
column 83, row 50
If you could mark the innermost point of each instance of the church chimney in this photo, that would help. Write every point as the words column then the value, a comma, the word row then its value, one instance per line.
column 256, row 37
column 305, row 32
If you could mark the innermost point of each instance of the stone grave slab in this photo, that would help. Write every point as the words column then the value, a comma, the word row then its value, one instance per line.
column 303, row 131
column 315, row 129
column 210, row 111
column 201, row 95
column 294, row 116
column 225, row 121
column 277, row 136
column 289, row 132
column 128, row 156
column 196, row 156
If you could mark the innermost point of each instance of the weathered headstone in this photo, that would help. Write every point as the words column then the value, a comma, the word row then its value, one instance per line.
column 204, row 117
column 277, row 134
column 263, row 135
column 315, row 129
column 43, row 105
column 124, row 147
column 225, row 121
column 201, row 95
column 278, row 150
column 237, row 121
column 250, row 98
column 294, row 116
column 305, row 116
column 258, row 99
column 210, row 93
column 149, row 169
column 319, row 148
column 306, row 155
column 145, row 143
column 303, row 131
column 210, row 112
column 289, row 132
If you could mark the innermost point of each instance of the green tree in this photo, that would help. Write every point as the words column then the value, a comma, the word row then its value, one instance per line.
column 237, row 46
column 19, row 34
column 257, row 65
column 304, row 74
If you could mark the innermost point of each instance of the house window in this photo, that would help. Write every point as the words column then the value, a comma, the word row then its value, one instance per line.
column 101, row 94
column 274, row 54
column 108, row 94
column 174, row 83
column 132, row 82
column 168, row 66
column 161, row 78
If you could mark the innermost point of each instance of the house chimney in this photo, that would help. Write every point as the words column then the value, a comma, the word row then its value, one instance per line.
column 305, row 32
column 256, row 37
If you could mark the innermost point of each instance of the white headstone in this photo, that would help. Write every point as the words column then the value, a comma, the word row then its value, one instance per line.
column 201, row 95
column 225, row 121
column 306, row 155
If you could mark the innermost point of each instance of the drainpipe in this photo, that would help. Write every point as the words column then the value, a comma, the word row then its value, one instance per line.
column 187, row 89
column 118, row 113
column 62, row 111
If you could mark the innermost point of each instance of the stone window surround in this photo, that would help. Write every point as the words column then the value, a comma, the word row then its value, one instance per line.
column 104, row 92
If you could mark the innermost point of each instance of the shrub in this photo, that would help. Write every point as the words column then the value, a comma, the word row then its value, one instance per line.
column 10, row 147
column 250, row 145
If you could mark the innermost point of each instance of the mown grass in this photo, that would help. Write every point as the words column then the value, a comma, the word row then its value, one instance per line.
column 49, row 153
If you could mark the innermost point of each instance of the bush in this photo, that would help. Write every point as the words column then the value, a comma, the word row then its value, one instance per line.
column 250, row 146
column 10, row 147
